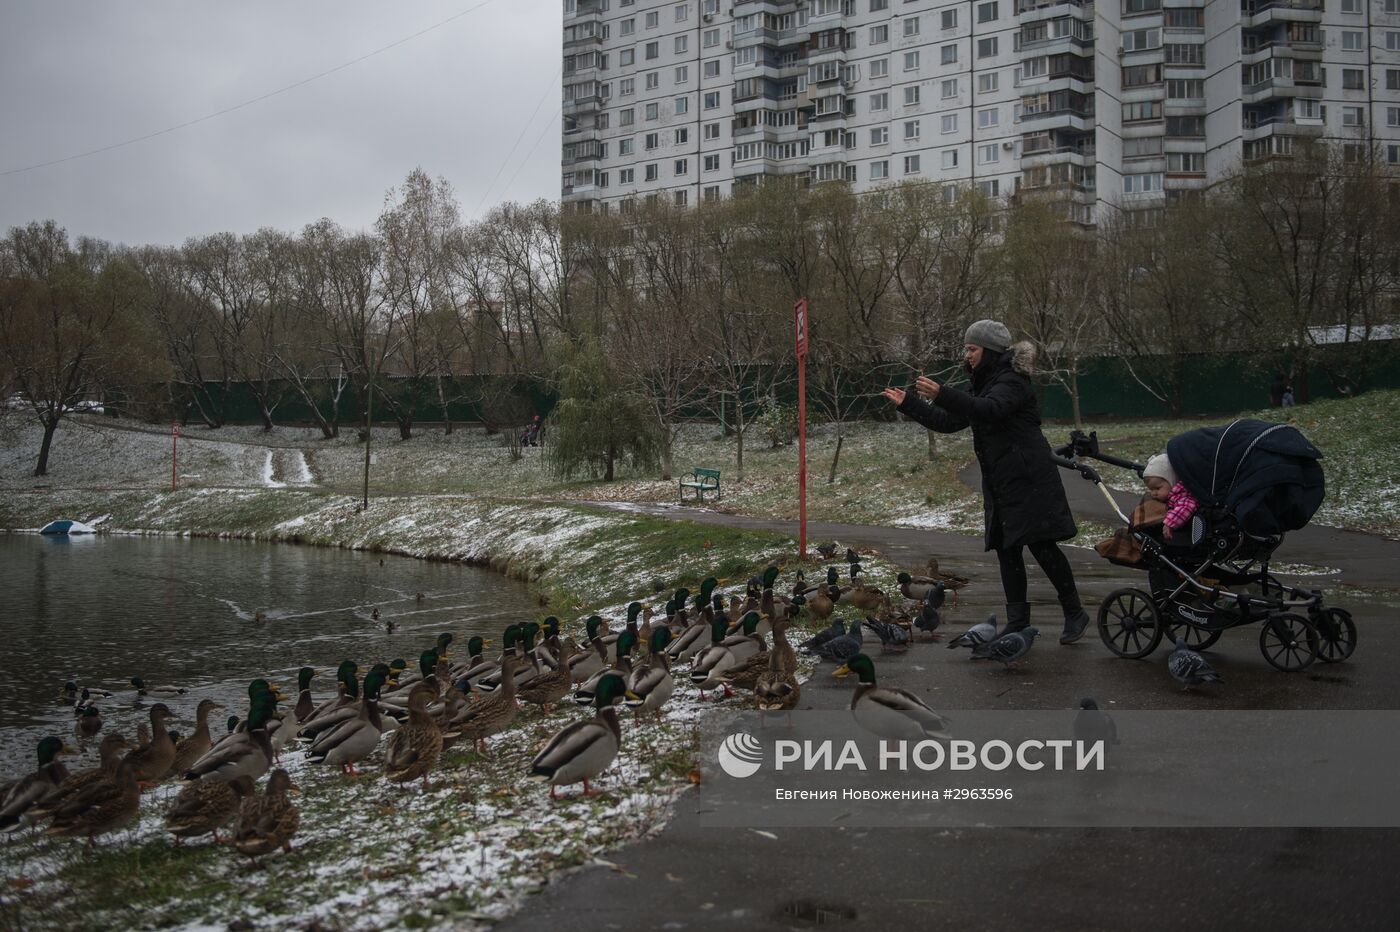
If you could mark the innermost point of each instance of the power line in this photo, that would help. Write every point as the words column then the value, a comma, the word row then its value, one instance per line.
column 553, row 86
column 521, row 164
column 254, row 100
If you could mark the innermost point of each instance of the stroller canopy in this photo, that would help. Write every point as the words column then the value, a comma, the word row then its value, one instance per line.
column 1267, row 475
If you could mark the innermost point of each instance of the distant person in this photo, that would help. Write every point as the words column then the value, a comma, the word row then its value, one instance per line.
column 1287, row 398
column 1023, row 500
column 1276, row 389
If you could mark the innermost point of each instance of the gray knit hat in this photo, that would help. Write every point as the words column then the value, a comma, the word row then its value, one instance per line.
column 1161, row 467
column 989, row 334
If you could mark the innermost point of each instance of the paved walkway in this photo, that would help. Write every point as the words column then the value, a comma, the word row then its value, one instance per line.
column 690, row 877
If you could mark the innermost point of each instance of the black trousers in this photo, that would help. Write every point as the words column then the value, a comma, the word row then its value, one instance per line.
column 1051, row 559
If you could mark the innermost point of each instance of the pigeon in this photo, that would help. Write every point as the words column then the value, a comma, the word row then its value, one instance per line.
column 928, row 618
column 1188, row 667
column 834, row 630
column 892, row 636
column 977, row 635
column 827, row 550
column 1091, row 725
column 1008, row 648
column 844, row 647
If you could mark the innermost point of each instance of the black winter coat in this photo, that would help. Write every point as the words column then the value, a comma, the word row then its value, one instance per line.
column 1023, row 501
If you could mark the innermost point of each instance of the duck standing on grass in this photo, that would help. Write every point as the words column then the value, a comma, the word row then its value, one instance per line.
column 651, row 682
column 19, row 797
column 152, row 763
column 247, row 750
column 581, row 751
column 100, row 808
column 492, row 715
column 267, row 822
column 110, row 757
column 416, row 745
column 197, row 744
column 726, row 653
column 204, row 807
column 354, row 740
column 548, row 689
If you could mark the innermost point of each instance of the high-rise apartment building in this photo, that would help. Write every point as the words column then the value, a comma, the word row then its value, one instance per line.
column 1114, row 103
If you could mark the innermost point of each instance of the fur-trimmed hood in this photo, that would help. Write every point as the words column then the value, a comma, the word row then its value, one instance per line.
column 1023, row 357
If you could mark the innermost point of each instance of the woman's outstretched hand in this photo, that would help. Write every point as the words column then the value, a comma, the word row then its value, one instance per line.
column 926, row 387
column 894, row 394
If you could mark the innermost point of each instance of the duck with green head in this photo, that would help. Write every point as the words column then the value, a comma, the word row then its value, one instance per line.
column 726, row 653
column 692, row 639
column 469, row 680
column 592, row 659
column 527, row 665
column 476, row 647
column 890, row 713
column 89, row 722
column 745, row 675
column 548, row 649
column 247, row 750
column 110, row 754
column 651, row 682
column 305, row 704
column 581, row 751
column 347, row 691
column 356, row 739
column 159, row 692
column 626, row 643
column 18, row 798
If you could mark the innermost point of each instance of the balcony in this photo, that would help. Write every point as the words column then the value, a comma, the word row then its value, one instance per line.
column 1259, row 127
column 1030, row 6
column 1263, row 12
column 1082, row 155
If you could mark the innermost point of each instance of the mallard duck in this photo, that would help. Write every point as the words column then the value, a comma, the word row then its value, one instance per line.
column 143, row 734
column 645, row 628
column 492, row 715
column 205, row 807
column 766, row 605
column 866, row 598
column 345, row 675
column 527, row 662
column 725, row 654
column 821, row 600
column 18, row 798
column 356, row 739
column 89, row 722
column 475, row 648
column 591, row 659
column 693, row 639
column 416, row 745
column 548, row 688
column 777, row 688
column 305, row 704
column 952, row 580
column 337, row 711
column 152, row 762
column 920, row 588
column 72, row 692
column 609, row 641
column 396, row 702
column 268, row 822
column 651, row 682
column 248, row 749
column 160, row 692
column 548, row 648
column 889, row 713
column 197, row 744
column 109, row 757
column 400, row 680
column 101, row 807
column 470, row 679
column 581, row 751
column 622, row 667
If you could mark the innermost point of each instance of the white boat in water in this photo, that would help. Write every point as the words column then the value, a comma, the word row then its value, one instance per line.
column 66, row 526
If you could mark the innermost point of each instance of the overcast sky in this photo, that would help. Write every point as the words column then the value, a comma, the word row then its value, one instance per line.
column 78, row 75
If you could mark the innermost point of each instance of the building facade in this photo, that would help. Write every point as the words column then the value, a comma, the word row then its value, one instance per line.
column 1114, row 104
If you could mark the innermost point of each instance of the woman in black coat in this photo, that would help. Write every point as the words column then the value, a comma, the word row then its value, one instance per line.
column 1023, row 502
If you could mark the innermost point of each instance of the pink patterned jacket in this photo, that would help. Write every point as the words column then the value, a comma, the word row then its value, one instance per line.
column 1180, row 507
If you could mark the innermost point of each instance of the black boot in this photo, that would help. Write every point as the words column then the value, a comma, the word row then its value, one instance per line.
column 1018, row 616
column 1076, row 619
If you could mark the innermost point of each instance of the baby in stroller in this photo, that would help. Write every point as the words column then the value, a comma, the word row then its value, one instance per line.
column 1164, row 487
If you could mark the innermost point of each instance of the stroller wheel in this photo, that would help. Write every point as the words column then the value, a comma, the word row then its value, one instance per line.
column 1129, row 623
column 1289, row 642
column 1338, row 634
column 1195, row 638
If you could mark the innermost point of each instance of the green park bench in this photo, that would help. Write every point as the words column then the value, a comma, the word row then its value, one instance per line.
column 701, row 480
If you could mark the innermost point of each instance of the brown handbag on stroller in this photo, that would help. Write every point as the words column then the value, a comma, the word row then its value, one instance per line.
column 1122, row 549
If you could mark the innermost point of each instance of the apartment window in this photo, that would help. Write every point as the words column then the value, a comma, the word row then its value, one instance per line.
column 1392, row 6
column 1392, row 41
column 682, row 136
column 624, row 117
column 1305, row 109
column 911, row 26
column 879, row 102
column 1186, row 89
column 1034, row 68
column 712, row 68
column 1392, row 79
column 653, row 19
column 1142, row 75
column 911, row 61
column 1353, row 41
column 681, row 197
column 989, row 188
column 987, row 48
column 987, row 83
column 950, row 19
column 712, row 193
column 682, row 12
column 911, row 130
column 1186, row 163
column 1351, row 6
column 681, row 44
column 711, row 100
column 911, row 95
column 1141, row 6
column 711, row 131
column 1145, row 183
column 1142, row 110
column 1392, row 155
column 879, row 34
column 1184, row 53
column 950, row 158
column 989, row 117
column 1138, row 39
column 948, row 54
column 986, row 12
column 653, row 50
column 682, row 166
column 948, row 123
column 987, row 154
column 1187, row 18
column 1392, row 116
column 651, row 172
column 626, row 175
column 950, row 87
column 911, row 164
column 626, row 87
column 682, row 74
column 651, row 141
column 879, row 135
column 627, row 27
column 711, row 38
column 1351, row 79
column 653, row 111
column 627, row 57
column 879, row 67
column 879, row 170
column 653, row 80
column 1186, row 126
column 682, row 104
column 878, row 5
column 1143, row 148
column 1353, row 116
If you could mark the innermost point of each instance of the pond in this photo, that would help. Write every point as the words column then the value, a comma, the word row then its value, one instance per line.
column 209, row 616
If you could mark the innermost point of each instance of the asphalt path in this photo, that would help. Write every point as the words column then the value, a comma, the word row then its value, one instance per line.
column 692, row 877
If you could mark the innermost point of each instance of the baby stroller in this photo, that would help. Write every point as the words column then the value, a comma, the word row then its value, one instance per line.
column 1254, row 481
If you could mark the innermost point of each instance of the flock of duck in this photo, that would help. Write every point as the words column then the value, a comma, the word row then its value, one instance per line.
column 723, row 646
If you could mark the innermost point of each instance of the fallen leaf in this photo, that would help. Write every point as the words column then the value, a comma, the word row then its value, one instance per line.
column 769, row 835
column 673, row 878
